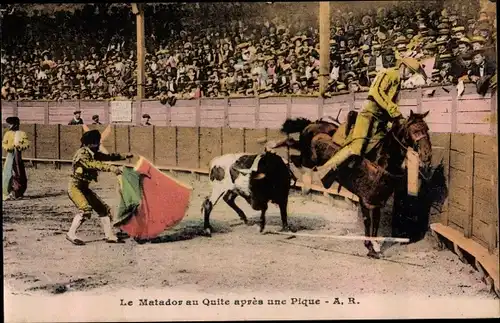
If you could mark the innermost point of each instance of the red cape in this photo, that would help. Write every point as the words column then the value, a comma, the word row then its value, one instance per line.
column 164, row 202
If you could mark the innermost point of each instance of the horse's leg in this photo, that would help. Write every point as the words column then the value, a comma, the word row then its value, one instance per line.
column 230, row 198
column 369, row 219
column 367, row 222
column 375, row 224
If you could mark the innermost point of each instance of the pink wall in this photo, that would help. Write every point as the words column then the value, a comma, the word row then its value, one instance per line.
column 468, row 113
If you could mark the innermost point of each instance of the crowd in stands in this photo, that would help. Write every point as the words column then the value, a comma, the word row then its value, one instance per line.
column 233, row 49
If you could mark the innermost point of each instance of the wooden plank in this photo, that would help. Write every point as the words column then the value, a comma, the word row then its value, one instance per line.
column 485, row 167
column 233, row 140
column 458, row 160
column 455, row 227
column 481, row 232
column 456, row 215
column 165, row 146
column 69, row 140
column 247, row 110
column 460, row 197
column 251, row 136
column 481, row 128
column 486, row 210
column 469, row 105
column 47, row 141
column 461, row 142
column 488, row 261
column 484, row 189
column 439, row 127
column 210, row 145
column 270, row 124
column 478, row 117
column 188, row 147
column 272, row 108
column 469, row 171
column 439, row 139
column 486, row 145
column 458, row 179
column 446, row 162
column 122, row 139
column 141, row 143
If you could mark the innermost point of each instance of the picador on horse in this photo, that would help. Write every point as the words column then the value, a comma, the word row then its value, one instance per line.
column 379, row 110
column 366, row 155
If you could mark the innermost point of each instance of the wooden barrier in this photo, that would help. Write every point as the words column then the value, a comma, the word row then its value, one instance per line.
column 470, row 164
column 469, row 113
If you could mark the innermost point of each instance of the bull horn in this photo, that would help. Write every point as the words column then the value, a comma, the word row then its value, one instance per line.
column 259, row 176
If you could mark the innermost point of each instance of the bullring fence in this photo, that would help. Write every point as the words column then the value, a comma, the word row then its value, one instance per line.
column 191, row 133
column 468, row 113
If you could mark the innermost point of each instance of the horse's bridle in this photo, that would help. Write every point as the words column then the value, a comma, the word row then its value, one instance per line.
column 415, row 138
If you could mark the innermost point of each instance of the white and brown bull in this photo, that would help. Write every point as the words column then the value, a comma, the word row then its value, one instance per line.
column 258, row 178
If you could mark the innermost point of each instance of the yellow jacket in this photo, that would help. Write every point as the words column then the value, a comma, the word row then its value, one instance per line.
column 384, row 90
column 10, row 141
column 86, row 164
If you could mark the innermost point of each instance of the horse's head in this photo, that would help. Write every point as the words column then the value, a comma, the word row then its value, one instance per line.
column 415, row 134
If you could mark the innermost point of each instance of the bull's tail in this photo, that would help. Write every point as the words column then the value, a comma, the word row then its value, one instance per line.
column 294, row 125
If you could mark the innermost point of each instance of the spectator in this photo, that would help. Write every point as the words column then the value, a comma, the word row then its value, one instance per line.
column 195, row 56
column 76, row 119
column 95, row 119
column 481, row 67
column 146, row 117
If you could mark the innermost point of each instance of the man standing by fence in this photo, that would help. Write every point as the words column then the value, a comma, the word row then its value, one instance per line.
column 77, row 120
column 14, row 142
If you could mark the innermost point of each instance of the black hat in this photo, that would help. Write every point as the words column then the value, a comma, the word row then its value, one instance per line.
column 91, row 137
column 13, row 120
column 95, row 117
column 146, row 116
column 77, row 112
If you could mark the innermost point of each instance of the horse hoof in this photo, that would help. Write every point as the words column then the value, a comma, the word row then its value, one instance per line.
column 286, row 229
column 373, row 254
column 207, row 233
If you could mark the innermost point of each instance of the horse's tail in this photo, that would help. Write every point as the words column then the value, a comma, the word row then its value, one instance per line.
column 294, row 125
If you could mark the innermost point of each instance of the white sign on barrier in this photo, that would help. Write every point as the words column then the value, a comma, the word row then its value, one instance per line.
column 121, row 111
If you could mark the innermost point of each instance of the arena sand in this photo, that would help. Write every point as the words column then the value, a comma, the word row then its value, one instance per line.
column 38, row 260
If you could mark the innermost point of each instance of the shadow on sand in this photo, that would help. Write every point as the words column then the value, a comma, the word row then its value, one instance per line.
column 413, row 215
column 45, row 195
column 188, row 230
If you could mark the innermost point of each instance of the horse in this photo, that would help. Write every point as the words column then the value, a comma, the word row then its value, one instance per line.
column 374, row 177
column 308, row 130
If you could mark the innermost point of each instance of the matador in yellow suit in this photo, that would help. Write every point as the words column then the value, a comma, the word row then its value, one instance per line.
column 87, row 162
column 379, row 108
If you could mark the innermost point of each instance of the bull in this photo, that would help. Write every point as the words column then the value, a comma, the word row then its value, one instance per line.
column 257, row 178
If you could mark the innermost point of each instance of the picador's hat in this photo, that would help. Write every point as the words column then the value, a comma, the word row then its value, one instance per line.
column 77, row 112
column 91, row 137
column 12, row 120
